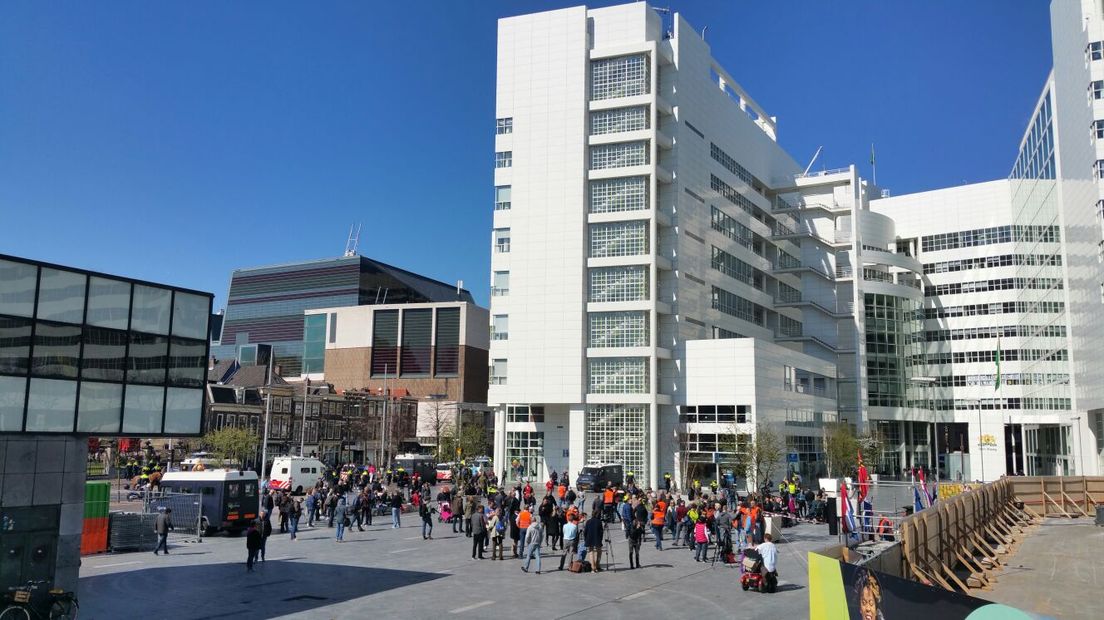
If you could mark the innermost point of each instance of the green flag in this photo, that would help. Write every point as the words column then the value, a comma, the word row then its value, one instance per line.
column 998, row 381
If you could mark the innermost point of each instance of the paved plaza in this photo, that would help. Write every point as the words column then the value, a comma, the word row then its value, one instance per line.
column 393, row 573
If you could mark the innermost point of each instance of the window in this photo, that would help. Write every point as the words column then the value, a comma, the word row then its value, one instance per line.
column 500, row 283
column 738, row 269
column 618, row 120
column 314, row 343
column 618, row 329
column 618, row 434
column 502, row 198
column 619, row 239
column 736, row 231
column 624, row 76
column 385, row 343
column 619, row 155
column 502, row 240
column 61, row 296
column 1095, row 50
column 788, row 327
column 730, row 164
column 1098, row 169
column 504, row 159
column 1098, row 129
column 504, row 125
column 618, row 375
column 500, row 327
column 615, row 195
column 525, row 413
column 619, row 284
column 333, row 327
column 1096, row 88
column 698, row 414
column 498, row 372
column 446, row 348
column 417, row 342
column 734, row 305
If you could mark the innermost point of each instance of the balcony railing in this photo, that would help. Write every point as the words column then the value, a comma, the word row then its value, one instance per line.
column 821, row 173
column 844, row 271
column 502, row 248
column 499, row 291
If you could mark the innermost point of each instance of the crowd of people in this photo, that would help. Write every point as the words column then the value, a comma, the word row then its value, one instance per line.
column 714, row 523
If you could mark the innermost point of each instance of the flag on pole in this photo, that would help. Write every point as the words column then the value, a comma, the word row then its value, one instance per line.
column 871, row 153
column 998, row 359
column 864, row 480
column 847, row 512
column 917, row 504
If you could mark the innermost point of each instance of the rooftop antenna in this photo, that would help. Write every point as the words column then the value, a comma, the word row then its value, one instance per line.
column 459, row 287
column 812, row 161
column 353, row 241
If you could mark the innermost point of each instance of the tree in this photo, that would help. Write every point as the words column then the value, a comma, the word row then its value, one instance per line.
column 472, row 442
column 441, row 422
column 842, row 449
column 766, row 451
column 236, row 444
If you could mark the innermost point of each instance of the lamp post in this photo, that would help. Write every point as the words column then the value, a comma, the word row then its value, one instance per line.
column 1080, row 452
column 927, row 383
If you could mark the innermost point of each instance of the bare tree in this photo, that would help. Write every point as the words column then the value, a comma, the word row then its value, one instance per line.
column 766, row 451
column 441, row 421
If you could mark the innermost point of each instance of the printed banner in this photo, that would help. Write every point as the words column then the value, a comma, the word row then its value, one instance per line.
column 838, row 590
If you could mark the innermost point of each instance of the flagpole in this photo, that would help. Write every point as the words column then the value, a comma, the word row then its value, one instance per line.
column 873, row 165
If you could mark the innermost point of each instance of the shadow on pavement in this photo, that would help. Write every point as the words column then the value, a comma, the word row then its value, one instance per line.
column 228, row 591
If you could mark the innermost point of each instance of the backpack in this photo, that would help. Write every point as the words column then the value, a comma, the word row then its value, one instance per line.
column 500, row 526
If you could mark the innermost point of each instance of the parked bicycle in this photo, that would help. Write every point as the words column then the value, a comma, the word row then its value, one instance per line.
column 23, row 603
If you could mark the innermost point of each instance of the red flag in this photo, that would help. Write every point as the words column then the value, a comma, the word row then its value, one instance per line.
column 864, row 480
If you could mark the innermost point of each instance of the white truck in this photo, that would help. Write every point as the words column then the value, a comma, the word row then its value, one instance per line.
column 295, row 474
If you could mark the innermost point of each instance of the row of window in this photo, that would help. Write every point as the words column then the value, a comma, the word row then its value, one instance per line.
column 727, row 225
column 504, row 126
column 62, row 351
column 617, row 195
column 789, row 327
column 1036, row 156
column 422, row 348
column 618, row 329
column 624, row 76
column 985, row 262
column 618, row 375
column 1007, row 307
column 525, row 413
column 738, row 269
column 1006, row 331
column 996, row 284
column 1006, row 355
column 618, row 434
column 747, row 206
column 726, row 161
column 619, row 239
column 500, row 327
column 1011, row 378
column 619, row 120
column 504, row 159
column 502, row 197
column 734, row 305
column 809, row 418
column 994, row 404
column 619, row 155
column 989, row 236
column 624, row 283
column 705, row 414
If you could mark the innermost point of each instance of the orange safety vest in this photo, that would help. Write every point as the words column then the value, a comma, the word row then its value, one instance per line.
column 661, row 505
column 524, row 519
column 561, row 491
column 658, row 517
column 608, row 496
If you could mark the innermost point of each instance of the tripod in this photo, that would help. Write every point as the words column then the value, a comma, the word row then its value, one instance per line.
column 609, row 549
column 724, row 541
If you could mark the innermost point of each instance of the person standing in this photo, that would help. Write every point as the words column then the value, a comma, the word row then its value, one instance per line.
column 162, row 525
column 636, row 537
column 701, row 539
column 533, row 539
column 457, row 508
column 253, row 540
column 341, row 517
column 426, row 513
column 295, row 512
column 593, row 536
column 478, row 524
column 524, row 520
column 497, row 528
column 396, row 509
column 659, row 516
column 570, row 544
column 312, row 507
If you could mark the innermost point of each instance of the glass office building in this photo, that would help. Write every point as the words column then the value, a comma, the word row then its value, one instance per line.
column 88, row 353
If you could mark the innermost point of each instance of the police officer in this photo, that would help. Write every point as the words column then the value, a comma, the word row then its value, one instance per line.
column 630, row 478
column 667, row 481
column 713, row 486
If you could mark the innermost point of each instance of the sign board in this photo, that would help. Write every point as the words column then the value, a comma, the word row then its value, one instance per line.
column 791, row 457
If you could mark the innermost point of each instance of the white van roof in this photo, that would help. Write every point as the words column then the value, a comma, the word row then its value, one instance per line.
column 295, row 458
column 209, row 474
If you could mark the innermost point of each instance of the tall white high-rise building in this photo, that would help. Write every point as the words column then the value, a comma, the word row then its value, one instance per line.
column 666, row 278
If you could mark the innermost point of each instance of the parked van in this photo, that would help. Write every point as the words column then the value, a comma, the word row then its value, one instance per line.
column 230, row 500
column 599, row 476
column 295, row 473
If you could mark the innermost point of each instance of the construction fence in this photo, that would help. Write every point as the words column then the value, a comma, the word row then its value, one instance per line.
column 966, row 536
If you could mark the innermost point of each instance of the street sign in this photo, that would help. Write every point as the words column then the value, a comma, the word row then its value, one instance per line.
column 791, row 457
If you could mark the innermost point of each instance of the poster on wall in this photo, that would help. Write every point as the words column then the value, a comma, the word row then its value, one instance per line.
column 838, row 590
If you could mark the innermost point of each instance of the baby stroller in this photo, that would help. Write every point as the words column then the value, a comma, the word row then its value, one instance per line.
column 753, row 575
column 445, row 515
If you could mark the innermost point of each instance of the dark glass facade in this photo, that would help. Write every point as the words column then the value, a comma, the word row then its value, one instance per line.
column 88, row 353
column 893, row 333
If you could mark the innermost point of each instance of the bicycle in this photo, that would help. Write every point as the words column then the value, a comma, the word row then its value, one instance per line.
column 21, row 606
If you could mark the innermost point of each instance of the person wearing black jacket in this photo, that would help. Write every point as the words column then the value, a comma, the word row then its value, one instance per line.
column 479, row 531
column 636, row 536
column 396, row 509
column 253, row 541
column 593, row 535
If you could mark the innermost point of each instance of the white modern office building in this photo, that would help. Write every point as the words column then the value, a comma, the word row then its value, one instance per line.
column 665, row 277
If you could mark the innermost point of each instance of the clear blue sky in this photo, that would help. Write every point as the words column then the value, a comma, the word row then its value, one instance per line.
column 175, row 141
